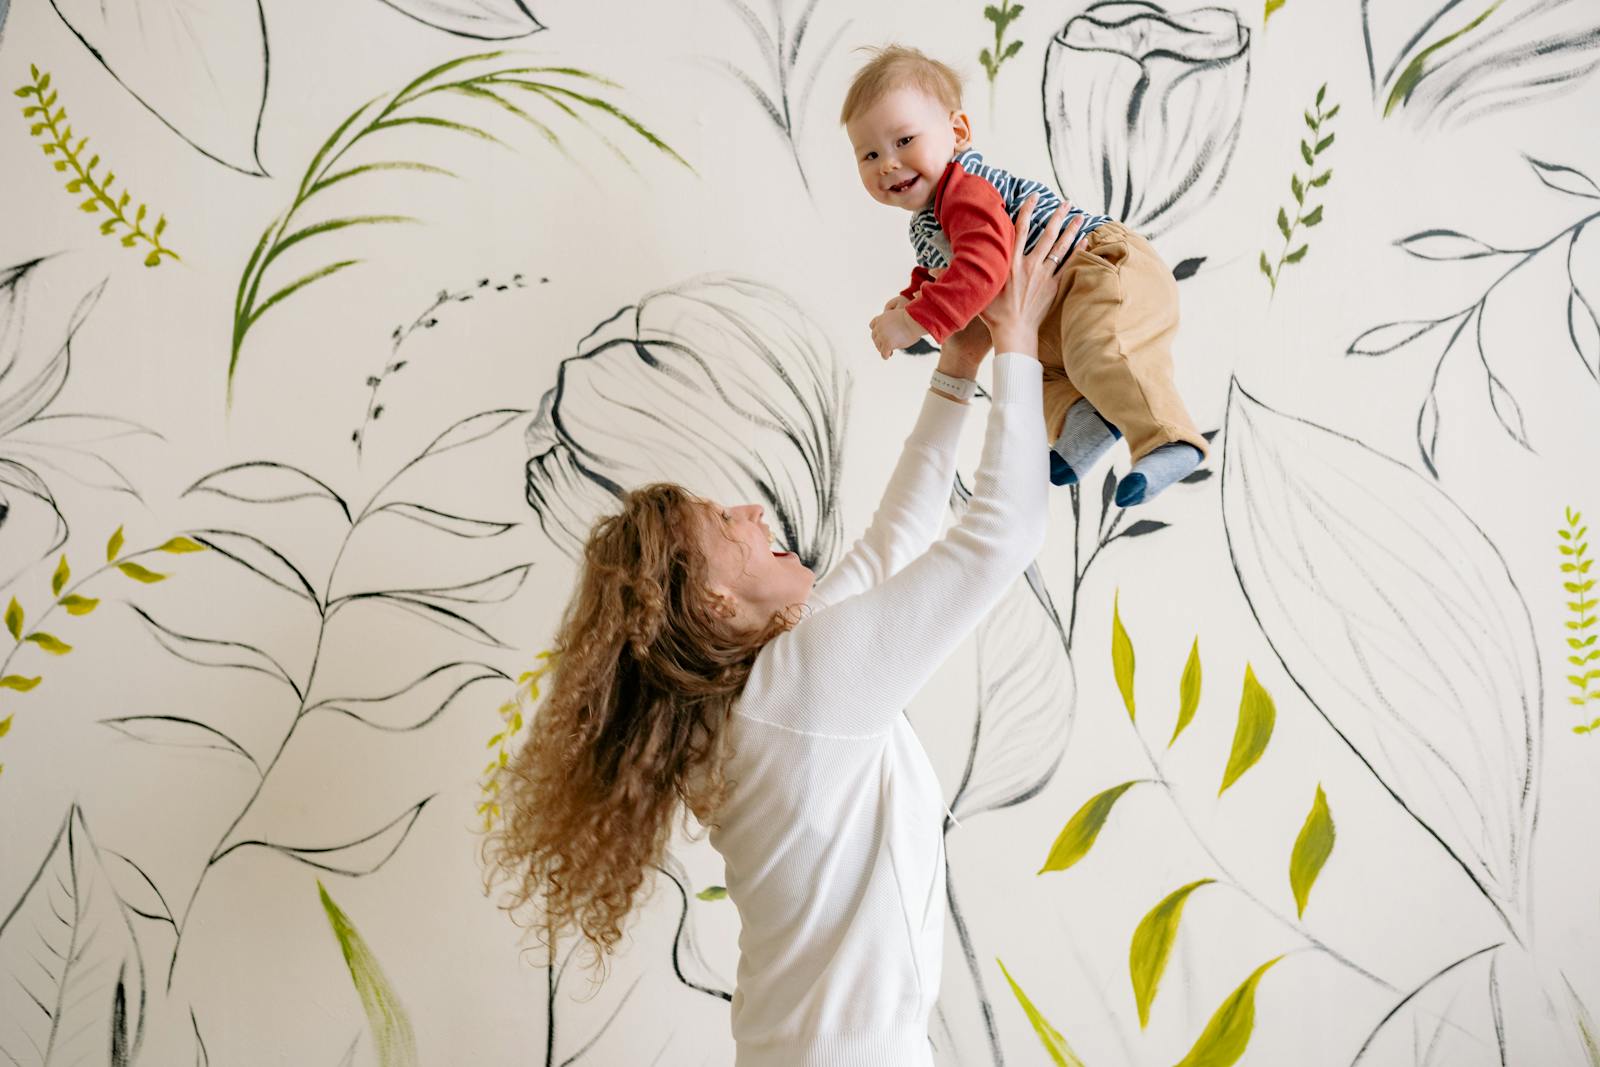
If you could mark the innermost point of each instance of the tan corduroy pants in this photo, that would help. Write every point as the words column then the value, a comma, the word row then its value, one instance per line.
column 1109, row 338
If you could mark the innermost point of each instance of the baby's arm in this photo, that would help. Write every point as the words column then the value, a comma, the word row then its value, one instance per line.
column 974, row 218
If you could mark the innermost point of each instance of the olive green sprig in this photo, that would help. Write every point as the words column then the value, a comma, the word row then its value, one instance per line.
column 1001, row 16
column 526, row 695
column 1583, row 629
column 69, row 598
column 51, row 125
column 1310, row 149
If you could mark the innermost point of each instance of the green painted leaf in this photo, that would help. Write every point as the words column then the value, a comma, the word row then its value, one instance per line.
column 1122, row 656
column 5, row 725
column 1297, row 255
column 1266, row 265
column 1406, row 84
column 1322, row 179
column 1188, row 692
column 1283, row 223
column 1305, row 154
column 59, row 579
column 391, row 1026
column 1311, row 850
column 18, row 682
column 1152, row 944
column 1313, row 216
column 114, row 545
column 182, row 544
column 53, row 645
column 1322, row 145
column 1061, row 1053
column 1011, row 50
column 1322, row 91
column 1298, row 189
column 79, row 605
column 713, row 892
column 1228, row 1033
column 1257, row 716
column 1078, row 836
column 14, row 619
column 1272, row 5
column 140, row 574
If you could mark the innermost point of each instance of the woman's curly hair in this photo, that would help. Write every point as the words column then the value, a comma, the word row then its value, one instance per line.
column 645, row 676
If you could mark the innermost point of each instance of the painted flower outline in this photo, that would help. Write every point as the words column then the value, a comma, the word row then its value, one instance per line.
column 720, row 383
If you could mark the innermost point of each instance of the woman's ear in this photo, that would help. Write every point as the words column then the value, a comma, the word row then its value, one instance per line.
column 961, row 126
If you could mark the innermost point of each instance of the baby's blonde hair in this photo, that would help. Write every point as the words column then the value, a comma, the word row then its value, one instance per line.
column 896, row 67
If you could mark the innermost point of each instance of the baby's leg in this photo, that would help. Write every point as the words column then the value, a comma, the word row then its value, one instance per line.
column 1116, row 345
column 1078, row 435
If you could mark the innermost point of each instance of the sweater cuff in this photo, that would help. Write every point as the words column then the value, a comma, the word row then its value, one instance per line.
column 1018, row 379
column 939, row 424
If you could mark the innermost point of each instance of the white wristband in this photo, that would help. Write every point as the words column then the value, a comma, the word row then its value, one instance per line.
column 963, row 389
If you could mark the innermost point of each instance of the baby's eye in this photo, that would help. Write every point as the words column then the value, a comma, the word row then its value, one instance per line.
column 870, row 156
column 904, row 140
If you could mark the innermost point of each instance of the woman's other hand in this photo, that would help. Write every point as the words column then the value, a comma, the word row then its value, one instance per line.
column 1013, row 317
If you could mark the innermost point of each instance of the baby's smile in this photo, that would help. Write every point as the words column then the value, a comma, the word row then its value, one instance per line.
column 907, row 184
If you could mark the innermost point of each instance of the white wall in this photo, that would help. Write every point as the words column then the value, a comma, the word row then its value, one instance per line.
column 1376, row 543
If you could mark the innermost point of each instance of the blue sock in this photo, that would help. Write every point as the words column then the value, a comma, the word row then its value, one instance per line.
column 1085, row 437
column 1156, row 471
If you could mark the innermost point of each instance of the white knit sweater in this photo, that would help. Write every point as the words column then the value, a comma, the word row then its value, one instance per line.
column 833, row 833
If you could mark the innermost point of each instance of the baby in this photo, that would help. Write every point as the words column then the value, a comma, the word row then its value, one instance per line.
column 1106, row 345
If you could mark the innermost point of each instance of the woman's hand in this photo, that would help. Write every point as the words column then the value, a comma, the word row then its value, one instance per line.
column 1014, row 315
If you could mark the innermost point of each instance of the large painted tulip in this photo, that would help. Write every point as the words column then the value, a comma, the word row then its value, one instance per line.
column 721, row 384
column 1142, row 108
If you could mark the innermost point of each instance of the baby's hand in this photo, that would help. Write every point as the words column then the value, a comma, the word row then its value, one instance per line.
column 894, row 329
column 899, row 300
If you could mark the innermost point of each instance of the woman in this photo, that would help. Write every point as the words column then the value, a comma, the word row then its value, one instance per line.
column 697, row 662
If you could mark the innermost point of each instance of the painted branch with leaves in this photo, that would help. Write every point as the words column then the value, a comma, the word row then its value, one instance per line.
column 1311, row 148
column 524, row 697
column 71, row 599
column 1156, row 933
column 1583, row 655
column 415, row 106
column 51, row 125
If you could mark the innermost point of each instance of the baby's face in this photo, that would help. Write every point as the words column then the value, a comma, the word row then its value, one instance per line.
column 902, row 144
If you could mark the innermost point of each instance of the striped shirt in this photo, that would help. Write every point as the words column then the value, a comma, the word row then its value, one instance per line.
column 933, row 247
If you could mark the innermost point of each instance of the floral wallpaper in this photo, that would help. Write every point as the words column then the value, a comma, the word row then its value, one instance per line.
column 326, row 331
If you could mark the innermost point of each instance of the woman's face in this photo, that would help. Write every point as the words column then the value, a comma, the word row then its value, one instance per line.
column 747, row 566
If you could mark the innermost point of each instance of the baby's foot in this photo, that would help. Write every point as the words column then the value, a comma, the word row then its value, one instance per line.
column 1156, row 471
column 1085, row 437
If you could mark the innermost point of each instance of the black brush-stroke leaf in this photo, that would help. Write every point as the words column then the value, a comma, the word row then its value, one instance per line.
column 417, row 704
column 470, row 429
column 1188, row 268
column 178, row 731
column 261, row 559
column 1564, row 179
column 1446, row 245
column 353, row 858
column 721, row 384
column 266, row 482
column 455, row 525
column 202, row 1058
column 210, row 652
column 137, row 890
column 436, row 614
column 68, row 959
column 1400, row 622
column 1583, row 318
column 1143, row 108
column 495, row 589
column 199, row 68
column 483, row 20
column 1391, row 336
